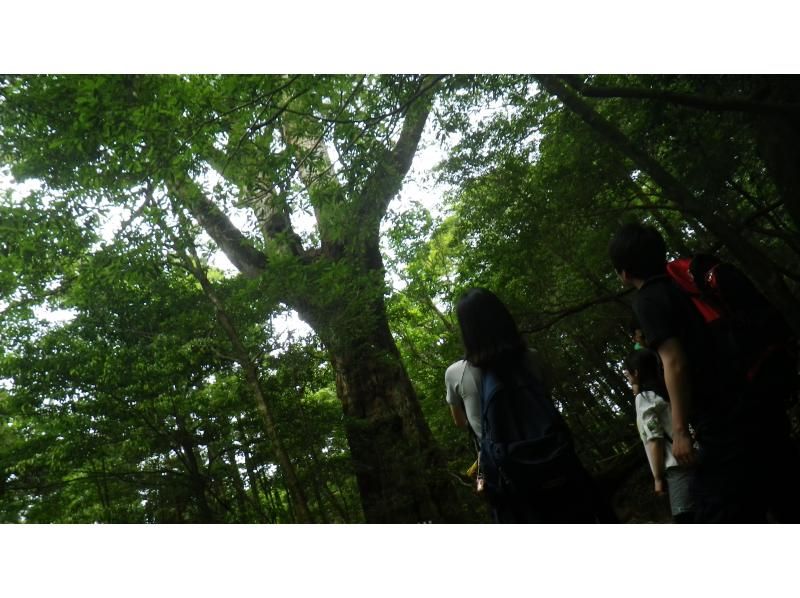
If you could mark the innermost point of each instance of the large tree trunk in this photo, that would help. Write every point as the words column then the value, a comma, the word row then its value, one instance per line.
column 400, row 472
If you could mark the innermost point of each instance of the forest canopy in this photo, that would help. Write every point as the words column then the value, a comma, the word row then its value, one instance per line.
column 171, row 393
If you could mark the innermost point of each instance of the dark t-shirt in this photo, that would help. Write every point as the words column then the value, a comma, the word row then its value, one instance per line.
column 664, row 312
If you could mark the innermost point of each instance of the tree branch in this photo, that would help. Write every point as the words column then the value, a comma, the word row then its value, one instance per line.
column 315, row 168
column 385, row 182
column 270, row 209
column 272, row 212
column 442, row 318
column 568, row 311
column 717, row 104
column 371, row 120
column 246, row 258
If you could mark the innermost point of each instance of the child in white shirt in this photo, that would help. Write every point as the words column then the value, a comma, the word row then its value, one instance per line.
column 654, row 422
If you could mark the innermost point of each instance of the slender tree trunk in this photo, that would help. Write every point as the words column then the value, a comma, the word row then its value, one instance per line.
column 342, row 493
column 587, row 439
column 297, row 494
column 102, row 491
column 290, row 509
column 197, row 481
column 339, row 508
column 252, row 480
column 609, row 378
column 323, row 512
column 238, row 483
column 274, row 509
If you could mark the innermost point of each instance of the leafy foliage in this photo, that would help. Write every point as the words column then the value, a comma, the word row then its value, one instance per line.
column 143, row 405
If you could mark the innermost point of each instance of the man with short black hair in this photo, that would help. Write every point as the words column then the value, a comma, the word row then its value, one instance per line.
column 700, row 392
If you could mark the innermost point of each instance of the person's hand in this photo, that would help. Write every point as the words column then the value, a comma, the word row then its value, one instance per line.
column 660, row 487
column 682, row 448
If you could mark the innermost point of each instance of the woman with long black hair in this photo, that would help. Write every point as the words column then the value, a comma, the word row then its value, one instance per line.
column 528, row 464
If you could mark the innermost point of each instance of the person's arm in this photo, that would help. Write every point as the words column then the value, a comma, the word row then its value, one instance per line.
column 451, row 382
column 459, row 416
column 648, row 406
column 655, row 454
column 676, row 377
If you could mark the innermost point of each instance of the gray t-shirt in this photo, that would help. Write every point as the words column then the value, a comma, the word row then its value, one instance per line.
column 463, row 383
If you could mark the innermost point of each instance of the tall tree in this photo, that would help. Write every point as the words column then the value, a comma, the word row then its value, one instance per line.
column 208, row 144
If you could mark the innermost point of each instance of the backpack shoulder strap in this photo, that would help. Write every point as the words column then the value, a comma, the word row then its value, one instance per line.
column 487, row 389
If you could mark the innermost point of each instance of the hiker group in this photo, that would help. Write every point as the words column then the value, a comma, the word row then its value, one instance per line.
column 712, row 370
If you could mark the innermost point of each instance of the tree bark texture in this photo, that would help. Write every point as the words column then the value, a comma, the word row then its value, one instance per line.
column 400, row 472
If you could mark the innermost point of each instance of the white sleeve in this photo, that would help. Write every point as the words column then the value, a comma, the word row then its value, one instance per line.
column 452, row 378
column 649, row 405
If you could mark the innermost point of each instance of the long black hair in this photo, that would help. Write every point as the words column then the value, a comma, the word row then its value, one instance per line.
column 646, row 364
column 489, row 332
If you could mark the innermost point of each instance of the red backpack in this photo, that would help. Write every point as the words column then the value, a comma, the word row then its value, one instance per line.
column 680, row 271
column 746, row 329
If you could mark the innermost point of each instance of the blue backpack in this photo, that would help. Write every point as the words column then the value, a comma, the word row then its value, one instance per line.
column 526, row 448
